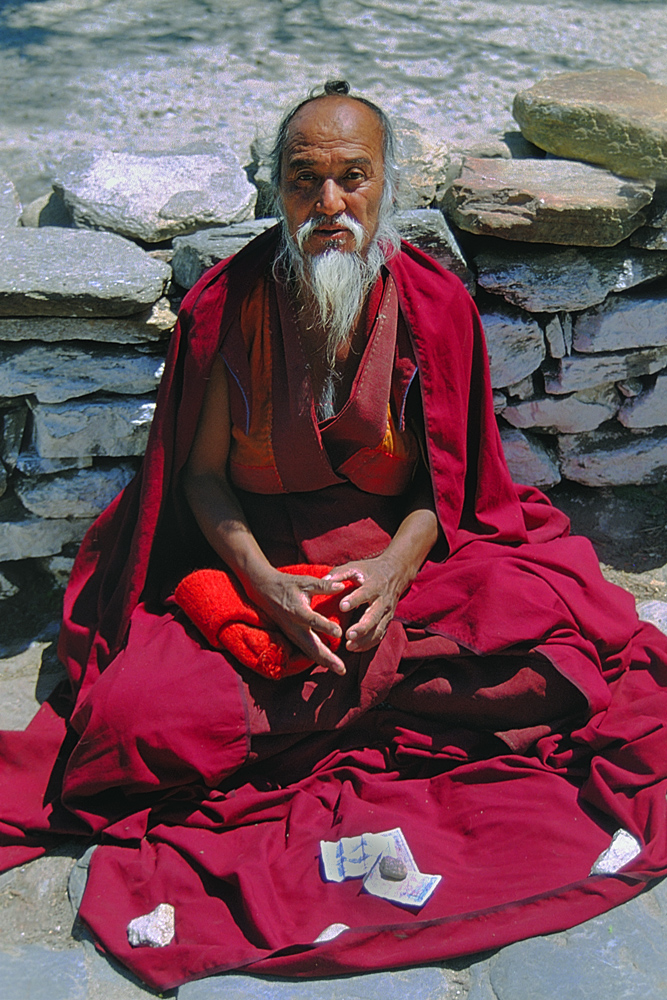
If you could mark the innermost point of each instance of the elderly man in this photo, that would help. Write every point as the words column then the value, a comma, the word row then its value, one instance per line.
column 324, row 469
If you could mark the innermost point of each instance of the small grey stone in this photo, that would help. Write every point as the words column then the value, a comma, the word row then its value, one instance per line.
column 647, row 238
column 581, row 411
column 13, row 429
column 196, row 253
column 105, row 425
column 543, row 279
column 515, row 344
column 154, row 929
column 635, row 319
column 528, row 458
column 525, row 389
column 630, row 387
column 654, row 612
column 10, row 206
column 88, row 274
column 583, row 371
column 393, row 869
column 555, row 337
column 647, row 408
column 48, row 210
column 154, row 196
column 30, row 463
column 57, row 372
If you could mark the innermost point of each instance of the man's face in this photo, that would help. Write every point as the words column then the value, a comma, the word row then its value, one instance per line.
column 332, row 164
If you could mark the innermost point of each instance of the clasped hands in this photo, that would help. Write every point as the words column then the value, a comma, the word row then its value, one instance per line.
column 377, row 585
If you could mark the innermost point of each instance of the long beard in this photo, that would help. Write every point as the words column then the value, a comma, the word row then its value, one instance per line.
column 336, row 281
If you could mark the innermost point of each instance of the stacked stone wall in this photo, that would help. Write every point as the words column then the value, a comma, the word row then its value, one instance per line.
column 567, row 260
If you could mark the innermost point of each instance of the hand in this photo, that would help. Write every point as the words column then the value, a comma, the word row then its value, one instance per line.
column 379, row 584
column 285, row 599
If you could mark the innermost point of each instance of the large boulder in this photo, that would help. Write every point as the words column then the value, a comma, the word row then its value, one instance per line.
column 10, row 206
column 623, row 321
column 55, row 373
column 515, row 344
column 547, row 201
column 153, row 196
column 544, row 279
column 67, row 272
column 614, row 117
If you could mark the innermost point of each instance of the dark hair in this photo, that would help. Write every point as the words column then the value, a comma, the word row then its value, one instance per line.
column 338, row 88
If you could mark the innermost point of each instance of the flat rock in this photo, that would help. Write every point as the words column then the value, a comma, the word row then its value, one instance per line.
column 24, row 536
column 153, row 324
column 515, row 344
column 648, row 408
column 583, row 371
column 423, row 162
column 104, row 426
column 153, row 197
column 647, row 238
column 581, row 411
column 623, row 321
column 614, row 117
column 196, row 253
column 547, row 201
column 78, row 493
column 558, row 333
column 530, row 461
column 88, row 274
column 614, row 456
column 31, row 464
column 427, row 230
column 10, row 206
column 13, row 428
column 542, row 279
column 57, row 372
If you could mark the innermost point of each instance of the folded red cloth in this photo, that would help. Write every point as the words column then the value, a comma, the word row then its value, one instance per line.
column 215, row 602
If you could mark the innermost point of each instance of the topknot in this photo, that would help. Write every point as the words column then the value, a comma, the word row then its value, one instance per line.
column 336, row 87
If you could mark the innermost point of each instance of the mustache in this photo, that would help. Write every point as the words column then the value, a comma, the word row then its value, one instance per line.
column 342, row 220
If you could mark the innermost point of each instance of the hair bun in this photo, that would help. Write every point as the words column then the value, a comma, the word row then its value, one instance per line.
column 336, row 87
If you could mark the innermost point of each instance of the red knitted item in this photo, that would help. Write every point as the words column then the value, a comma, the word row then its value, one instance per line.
column 215, row 602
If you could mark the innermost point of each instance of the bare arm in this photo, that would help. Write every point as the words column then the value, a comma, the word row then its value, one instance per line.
column 285, row 599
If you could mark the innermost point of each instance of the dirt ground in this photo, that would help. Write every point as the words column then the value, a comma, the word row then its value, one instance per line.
column 627, row 525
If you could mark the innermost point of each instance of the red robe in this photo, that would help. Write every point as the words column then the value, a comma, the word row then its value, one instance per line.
column 192, row 811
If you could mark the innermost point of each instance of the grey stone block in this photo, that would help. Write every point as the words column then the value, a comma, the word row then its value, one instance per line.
column 542, row 278
column 24, row 536
column 88, row 274
column 515, row 344
column 583, row 371
column 427, row 229
column 36, row 973
column 10, row 206
column 427, row 983
column 104, row 426
column 57, row 372
column 76, row 493
column 196, row 253
column 529, row 461
column 582, row 411
column 614, row 456
column 154, row 196
column 153, row 324
column 622, row 322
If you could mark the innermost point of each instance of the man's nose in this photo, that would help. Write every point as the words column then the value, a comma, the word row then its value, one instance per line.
column 331, row 200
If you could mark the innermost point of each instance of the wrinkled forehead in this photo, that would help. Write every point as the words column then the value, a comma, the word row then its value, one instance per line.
column 335, row 126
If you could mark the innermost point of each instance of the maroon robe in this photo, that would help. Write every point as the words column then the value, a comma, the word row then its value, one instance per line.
column 210, row 788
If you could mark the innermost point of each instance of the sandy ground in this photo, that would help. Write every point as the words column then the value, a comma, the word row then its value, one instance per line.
column 627, row 525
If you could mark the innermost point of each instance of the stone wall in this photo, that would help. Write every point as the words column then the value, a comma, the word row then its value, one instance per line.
column 567, row 260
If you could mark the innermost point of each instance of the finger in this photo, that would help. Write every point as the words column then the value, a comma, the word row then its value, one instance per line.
column 370, row 628
column 311, row 644
column 313, row 585
column 347, row 574
column 362, row 595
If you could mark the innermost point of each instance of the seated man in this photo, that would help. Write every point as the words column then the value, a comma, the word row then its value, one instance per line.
column 475, row 681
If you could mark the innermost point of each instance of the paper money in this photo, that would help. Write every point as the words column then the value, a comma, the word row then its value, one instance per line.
column 359, row 857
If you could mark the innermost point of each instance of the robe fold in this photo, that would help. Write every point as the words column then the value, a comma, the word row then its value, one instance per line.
column 511, row 720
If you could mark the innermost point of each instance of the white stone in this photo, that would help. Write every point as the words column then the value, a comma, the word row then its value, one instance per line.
column 58, row 372
column 582, row 411
column 528, row 459
column 583, row 371
column 515, row 344
column 331, row 932
column 153, row 197
column 555, row 336
column 648, row 408
column 7, row 588
column 154, row 324
column 614, row 456
column 60, row 568
column 621, row 322
column 654, row 612
column 24, row 536
column 111, row 426
column 623, row 849
column 155, row 929
column 69, row 272
column 78, row 493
